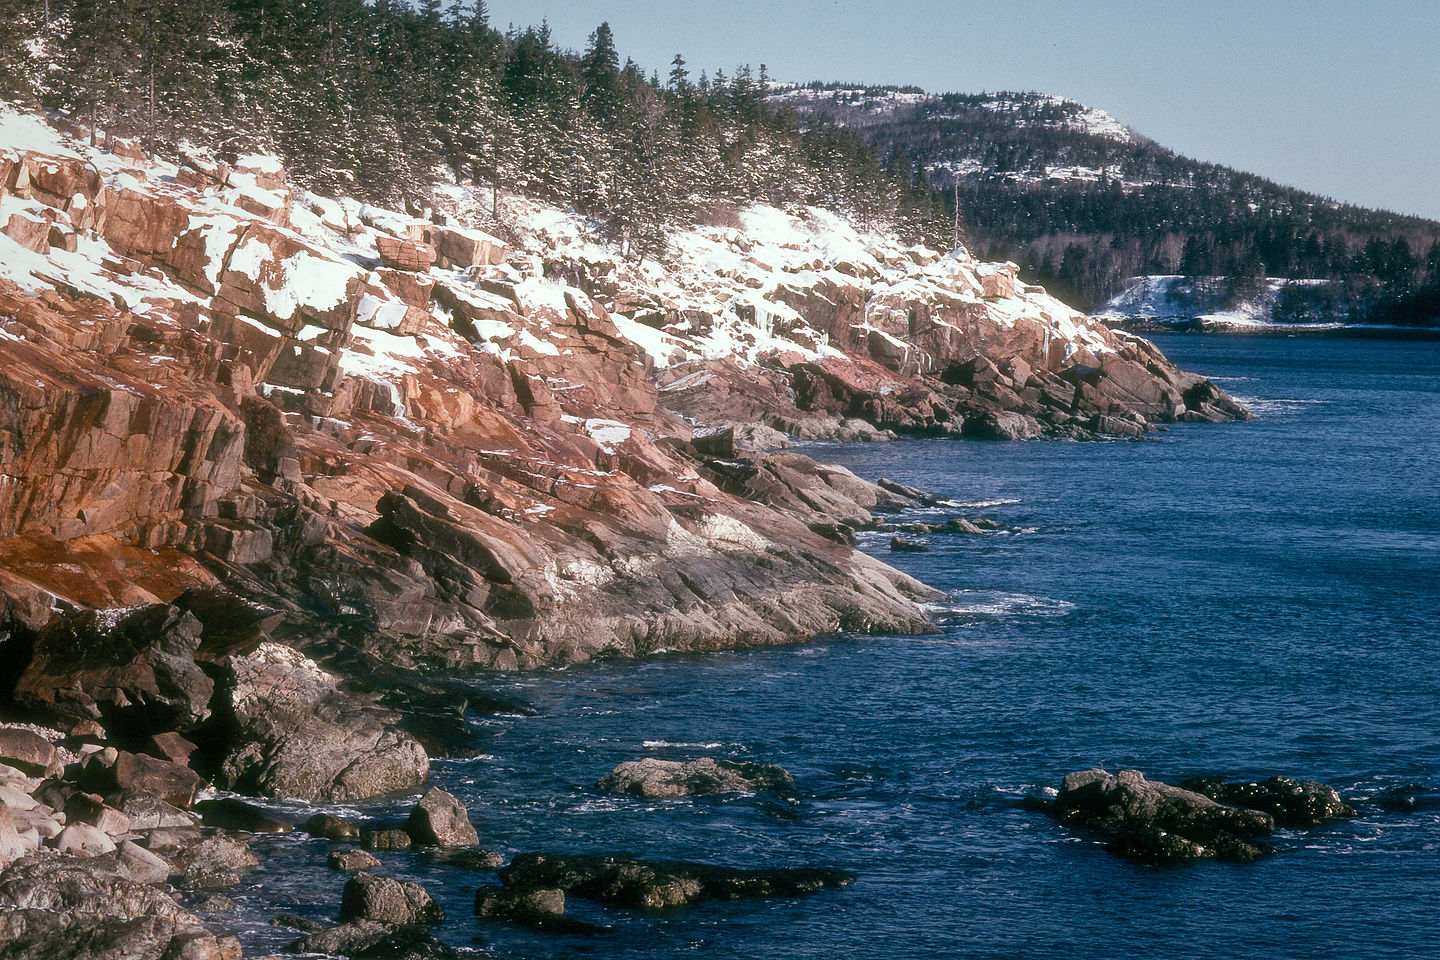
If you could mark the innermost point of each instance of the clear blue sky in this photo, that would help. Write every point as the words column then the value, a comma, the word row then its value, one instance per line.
column 1341, row 98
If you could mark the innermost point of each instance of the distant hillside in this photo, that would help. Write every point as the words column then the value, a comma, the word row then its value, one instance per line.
column 1084, row 204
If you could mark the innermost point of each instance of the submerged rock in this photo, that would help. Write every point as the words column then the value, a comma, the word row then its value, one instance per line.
column 351, row 861
column 390, row 839
column 231, row 813
column 653, row 777
column 900, row 545
column 331, row 828
column 656, row 885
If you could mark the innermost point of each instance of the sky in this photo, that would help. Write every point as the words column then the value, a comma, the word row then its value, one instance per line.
column 1340, row 98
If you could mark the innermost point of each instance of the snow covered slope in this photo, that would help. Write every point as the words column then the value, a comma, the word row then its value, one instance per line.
column 1225, row 303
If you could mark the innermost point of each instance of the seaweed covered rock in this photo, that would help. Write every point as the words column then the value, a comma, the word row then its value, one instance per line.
column 658, row 885
column 1293, row 804
column 1153, row 822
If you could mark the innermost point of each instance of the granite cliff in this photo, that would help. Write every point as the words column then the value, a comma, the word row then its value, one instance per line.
column 482, row 452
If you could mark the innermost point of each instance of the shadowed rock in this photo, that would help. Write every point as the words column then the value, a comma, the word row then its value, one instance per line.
column 1153, row 822
column 656, row 885
column 1292, row 803
column 369, row 940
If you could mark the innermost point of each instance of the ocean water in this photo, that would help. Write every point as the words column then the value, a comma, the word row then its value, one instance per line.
column 1238, row 600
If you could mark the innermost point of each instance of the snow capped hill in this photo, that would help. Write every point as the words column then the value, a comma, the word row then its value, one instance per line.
column 859, row 105
column 1224, row 302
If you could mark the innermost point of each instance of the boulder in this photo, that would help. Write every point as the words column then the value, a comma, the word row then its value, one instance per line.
column 652, row 777
column 387, row 900
column 1154, row 822
column 138, row 773
column 148, row 812
column 132, row 668
column 12, row 847
column 1002, row 425
column 214, row 863
column 63, row 908
column 542, row 908
column 30, row 232
column 170, row 746
column 459, row 247
column 369, row 940
column 654, row 885
column 737, row 439
column 401, row 254
column 83, row 840
column 142, row 865
column 170, row 839
column 28, row 752
column 90, row 809
column 293, row 733
column 440, row 820
column 899, row 544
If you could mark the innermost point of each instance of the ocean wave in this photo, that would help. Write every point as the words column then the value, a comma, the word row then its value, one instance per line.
column 682, row 745
column 965, row 604
column 1278, row 406
column 980, row 504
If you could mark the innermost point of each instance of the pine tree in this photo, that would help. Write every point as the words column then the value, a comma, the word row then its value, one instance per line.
column 21, row 40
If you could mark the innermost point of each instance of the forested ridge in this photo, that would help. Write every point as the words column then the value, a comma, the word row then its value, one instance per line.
column 1084, row 209
column 382, row 100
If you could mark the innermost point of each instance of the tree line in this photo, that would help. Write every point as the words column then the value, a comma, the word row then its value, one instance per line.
column 383, row 100
column 1083, row 212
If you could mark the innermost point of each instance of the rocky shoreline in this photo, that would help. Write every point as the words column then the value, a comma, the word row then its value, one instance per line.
column 275, row 464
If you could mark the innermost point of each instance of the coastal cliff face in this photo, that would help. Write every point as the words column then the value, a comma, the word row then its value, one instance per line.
column 477, row 453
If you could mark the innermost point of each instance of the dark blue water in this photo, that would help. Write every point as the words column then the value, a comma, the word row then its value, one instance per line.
column 1239, row 600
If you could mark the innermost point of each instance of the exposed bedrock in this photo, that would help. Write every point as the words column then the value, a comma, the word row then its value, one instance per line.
column 446, row 454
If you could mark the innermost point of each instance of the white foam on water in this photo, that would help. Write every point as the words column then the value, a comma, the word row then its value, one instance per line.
column 1278, row 406
column 998, row 603
column 673, row 744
